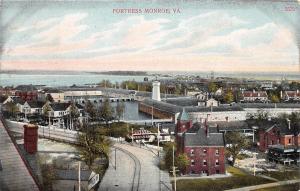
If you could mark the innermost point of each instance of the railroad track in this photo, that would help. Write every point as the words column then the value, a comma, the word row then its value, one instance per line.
column 137, row 169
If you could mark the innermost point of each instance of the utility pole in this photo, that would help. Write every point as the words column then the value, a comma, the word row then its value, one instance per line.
column 79, row 184
column 174, row 169
column 158, row 135
column 131, row 135
column 152, row 115
column 115, row 158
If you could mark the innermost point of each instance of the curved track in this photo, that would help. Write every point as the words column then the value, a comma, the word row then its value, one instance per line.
column 137, row 169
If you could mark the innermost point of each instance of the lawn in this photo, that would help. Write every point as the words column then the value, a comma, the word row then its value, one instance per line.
column 291, row 187
column 239, row 179
column 287, row 175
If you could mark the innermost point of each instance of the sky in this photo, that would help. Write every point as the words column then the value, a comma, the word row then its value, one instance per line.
column 199, row 36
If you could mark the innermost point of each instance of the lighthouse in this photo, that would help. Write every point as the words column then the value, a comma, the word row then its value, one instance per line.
column 156, row 91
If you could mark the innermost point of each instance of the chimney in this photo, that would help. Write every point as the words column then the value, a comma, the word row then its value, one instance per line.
column 297, row 92
column 253, row 90
column 206, row 128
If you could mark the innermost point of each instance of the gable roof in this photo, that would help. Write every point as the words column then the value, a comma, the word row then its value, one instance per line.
column 36, row 104
column 59, row 106
column 196, row 136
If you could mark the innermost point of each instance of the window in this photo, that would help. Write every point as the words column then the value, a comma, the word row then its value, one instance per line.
column 0, row 166
column 290, row 141
column 217, row 152
column 192, row 152
column 192, row 162
column 204, row 162
column 217, row 171
column 204, row 151
column 217, row 162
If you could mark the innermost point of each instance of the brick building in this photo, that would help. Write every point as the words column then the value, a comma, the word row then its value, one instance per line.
column 205, row 150
column 26, row 92
column 278, row 134
column 281, row 141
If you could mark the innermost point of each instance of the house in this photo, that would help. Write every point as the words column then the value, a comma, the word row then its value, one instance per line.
column 55, row 94
column 16, row 100
column 278, row 133
column 205, row 150
column 290, row 95
column 60, row 113
column 281, row 140
column 254, row 96
column 26, row 92
column 33, row 107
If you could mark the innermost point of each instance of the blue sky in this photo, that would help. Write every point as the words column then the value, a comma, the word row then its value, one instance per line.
column 202, row 37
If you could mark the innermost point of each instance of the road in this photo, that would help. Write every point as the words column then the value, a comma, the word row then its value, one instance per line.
column 136, row 167
column 136, row 170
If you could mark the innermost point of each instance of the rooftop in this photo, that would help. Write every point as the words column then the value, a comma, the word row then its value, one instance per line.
column 196, row 136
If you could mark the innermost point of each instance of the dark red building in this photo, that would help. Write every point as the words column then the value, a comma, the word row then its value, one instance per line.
column 205, row 150
column 278, row 134
column 26, row 92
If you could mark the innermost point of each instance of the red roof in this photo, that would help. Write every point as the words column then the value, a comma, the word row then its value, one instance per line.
column 293, row 93
column 255, row 94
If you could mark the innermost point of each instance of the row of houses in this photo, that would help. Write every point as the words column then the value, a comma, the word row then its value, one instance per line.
column 57, row 112
column 262, row 96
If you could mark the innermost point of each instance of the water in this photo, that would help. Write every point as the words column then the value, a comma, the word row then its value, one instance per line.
column 131, row 111
column 62, row 79
column 88, row 78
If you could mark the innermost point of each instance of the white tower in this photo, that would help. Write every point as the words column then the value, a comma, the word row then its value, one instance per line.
column 156, row 91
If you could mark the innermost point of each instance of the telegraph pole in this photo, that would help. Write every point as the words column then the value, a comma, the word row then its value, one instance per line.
column 131, row 135
column 158, row 135
column 79, row 187
column 174, row 169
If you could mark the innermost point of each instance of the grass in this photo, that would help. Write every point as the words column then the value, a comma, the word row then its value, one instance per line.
column 290, row 187
column 239, row 179
column 286, row 175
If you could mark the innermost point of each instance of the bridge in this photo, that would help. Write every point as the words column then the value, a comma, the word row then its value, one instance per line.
column 148, row 121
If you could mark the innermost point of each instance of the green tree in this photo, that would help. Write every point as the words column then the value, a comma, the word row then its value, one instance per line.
column 120, row 110
column 12, row 109
column 105, row 84
column 74, row 114
column 48, row 176
column 182, row 161
column 49, row 98
column 91, row 110
column 228, row 98
column 212, row 87
column 275, row 98
column 235, row 142
column 261, row 115
column 168, row 155
column 106, row 111
column 92, row 146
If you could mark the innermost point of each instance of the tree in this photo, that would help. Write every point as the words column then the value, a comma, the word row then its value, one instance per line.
column 74, row 113
column 49, row 98
column 182, row 161
column 168, row 155
column 46, row 111
column 12, row 109
column 235, row 142
column 228, row 98
column 91, row 110
column 261, row 115
column 48, row 175
column 106, row 111
column 212, row 87
column 105, row 84
column 120, row 110
column 274, row 98
column 92, row 145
